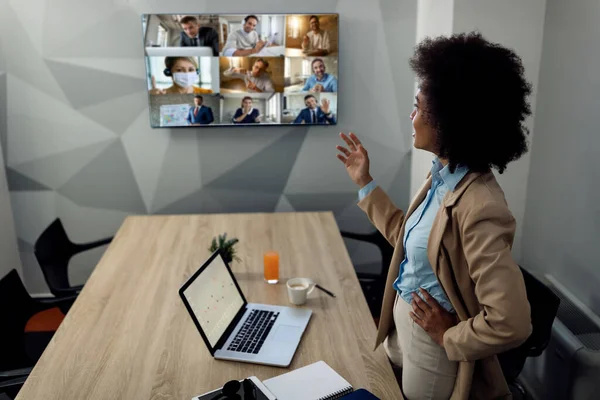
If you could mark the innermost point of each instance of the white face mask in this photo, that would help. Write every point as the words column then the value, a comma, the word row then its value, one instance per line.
column 185, row 79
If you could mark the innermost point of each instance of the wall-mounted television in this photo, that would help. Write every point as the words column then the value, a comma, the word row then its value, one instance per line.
column 232, row 69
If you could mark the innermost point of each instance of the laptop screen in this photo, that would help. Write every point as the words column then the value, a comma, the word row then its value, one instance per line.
column 214, row 299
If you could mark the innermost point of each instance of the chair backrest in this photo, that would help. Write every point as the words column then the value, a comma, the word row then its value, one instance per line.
column 544, row 306
column 16, row 307
column 53, row 250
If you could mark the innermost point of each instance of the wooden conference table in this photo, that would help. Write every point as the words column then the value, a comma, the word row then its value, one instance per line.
column 128, row 335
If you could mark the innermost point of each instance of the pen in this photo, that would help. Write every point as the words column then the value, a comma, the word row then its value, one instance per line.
column 325, row 290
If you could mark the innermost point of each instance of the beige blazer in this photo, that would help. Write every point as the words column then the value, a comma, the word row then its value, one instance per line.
column 469, row 250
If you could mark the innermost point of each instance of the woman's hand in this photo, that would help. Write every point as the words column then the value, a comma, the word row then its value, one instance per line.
column 433, row 318
column 355, row 159
column 154, row 89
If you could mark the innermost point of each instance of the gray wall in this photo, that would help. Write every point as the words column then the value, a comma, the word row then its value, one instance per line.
column 9, row 255
column 562, row 219
column 81, row 147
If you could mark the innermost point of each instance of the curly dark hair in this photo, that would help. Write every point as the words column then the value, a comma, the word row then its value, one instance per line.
column 476, row 100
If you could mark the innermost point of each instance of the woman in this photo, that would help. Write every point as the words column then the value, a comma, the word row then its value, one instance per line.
column 457, row 299
column 184, row 72
column 246, row 114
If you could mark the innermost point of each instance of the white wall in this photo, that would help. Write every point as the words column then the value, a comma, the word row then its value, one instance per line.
column 562, row 219
column 515, row 24
column 9, row 255
column 434, row 18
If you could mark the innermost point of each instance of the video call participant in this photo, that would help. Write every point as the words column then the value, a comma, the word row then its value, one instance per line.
column 199, row 114
column 316, row 41
column 246, row 114
column 320, row 81
column 313, row 114
column 244, row 41
column 257, row 80
column 193, row 35
column 184, row 72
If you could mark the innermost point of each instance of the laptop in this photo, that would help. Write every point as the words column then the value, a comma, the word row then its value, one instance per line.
column 179, row 51
column 234, row 329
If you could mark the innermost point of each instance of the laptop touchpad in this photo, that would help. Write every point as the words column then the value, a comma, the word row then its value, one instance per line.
column 287, row 333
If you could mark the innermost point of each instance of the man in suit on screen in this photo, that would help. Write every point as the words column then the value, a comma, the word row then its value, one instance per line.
column 199, row 114
column 313, row 114
column 193, row 35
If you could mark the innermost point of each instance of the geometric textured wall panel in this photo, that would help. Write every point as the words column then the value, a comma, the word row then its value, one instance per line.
column 335, row 202
column 268, row 170
column 146, row 152
column 55, row 170
column 180, row 169
column 110, row 113
column 106, row 182
column 31, row 137
column 75, row 83
column 283, row 205
column 120, row 30
column 35, row 211
column 20, row 183
column 240, row 148
column 3, row 110
column 21, row 55
column 79, row 145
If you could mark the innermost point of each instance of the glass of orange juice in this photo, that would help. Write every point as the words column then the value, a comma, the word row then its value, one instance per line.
column 271, row 260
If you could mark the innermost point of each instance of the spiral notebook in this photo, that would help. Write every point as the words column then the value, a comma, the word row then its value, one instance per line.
column 316, row 381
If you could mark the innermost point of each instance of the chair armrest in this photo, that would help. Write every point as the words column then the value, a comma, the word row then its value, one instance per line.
column 369, row 276
column 363, row 237
column 68, row 292
column 14, row 373
column 64, row 303
column 92, row 245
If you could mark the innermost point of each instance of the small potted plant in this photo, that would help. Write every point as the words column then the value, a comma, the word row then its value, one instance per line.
column 226, row 246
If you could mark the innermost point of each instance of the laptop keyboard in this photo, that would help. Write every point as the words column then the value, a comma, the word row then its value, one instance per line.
column 253, row 333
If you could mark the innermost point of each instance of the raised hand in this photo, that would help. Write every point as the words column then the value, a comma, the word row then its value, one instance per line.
column 355, row 159
column 305, row 40
column 251, row 85
column 154, row 89
column 325, row 106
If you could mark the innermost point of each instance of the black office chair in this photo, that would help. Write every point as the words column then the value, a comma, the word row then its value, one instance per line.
column 26, row 325
column 11, row 382
column 53, row 250
column 544, row 306
column 373, row 283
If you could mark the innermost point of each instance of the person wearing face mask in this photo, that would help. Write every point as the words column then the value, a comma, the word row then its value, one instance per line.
column 320, row 81
column 257, row 80
column 313, row 114
column 245, row 41
column 246, row 114
column 184, row 72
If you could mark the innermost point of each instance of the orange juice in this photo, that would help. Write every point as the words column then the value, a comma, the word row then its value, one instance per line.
column 271, row 259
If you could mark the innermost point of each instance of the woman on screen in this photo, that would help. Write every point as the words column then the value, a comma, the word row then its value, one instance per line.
column 185, row 75
column 246, row 114
column 455, row 298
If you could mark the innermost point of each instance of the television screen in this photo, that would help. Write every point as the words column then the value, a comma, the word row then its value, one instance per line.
column 227, row 69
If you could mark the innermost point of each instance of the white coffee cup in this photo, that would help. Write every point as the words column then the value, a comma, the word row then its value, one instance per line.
column 299, row 289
